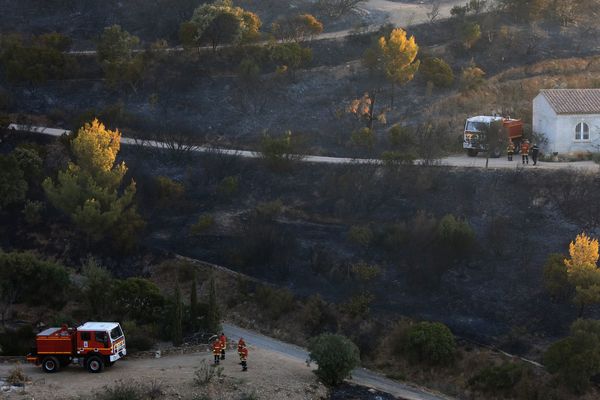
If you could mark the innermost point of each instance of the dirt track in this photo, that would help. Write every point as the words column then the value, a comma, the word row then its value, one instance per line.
column 270, row 376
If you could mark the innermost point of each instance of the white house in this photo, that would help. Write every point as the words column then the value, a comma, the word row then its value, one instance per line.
column 569, row 119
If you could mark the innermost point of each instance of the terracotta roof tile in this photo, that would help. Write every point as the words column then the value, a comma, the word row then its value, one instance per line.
column 573, row 101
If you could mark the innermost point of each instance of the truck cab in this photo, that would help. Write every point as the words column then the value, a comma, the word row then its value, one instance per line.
column 94, row 345
column 474, row 140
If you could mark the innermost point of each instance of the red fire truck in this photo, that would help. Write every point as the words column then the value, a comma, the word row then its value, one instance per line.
column 93, row 345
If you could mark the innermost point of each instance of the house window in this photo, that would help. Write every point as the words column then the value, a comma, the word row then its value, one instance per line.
column 582, row 131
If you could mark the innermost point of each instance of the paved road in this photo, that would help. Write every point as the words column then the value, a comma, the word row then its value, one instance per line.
column 360, row 376
column 461, row 161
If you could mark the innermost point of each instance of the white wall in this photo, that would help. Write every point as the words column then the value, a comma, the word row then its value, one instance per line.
column 565, row 130
column 544, row 121
column 560, row 129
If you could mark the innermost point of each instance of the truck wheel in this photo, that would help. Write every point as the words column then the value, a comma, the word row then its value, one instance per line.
column 95, row 364
column 472, row 152
column 50, row 364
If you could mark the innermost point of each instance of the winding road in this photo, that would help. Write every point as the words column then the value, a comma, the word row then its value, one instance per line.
column 360, row 376
column 458, row 161
column 395, row 12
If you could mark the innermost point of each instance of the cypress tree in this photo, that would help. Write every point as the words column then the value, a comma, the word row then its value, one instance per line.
column 194, row 305
column 177, row 331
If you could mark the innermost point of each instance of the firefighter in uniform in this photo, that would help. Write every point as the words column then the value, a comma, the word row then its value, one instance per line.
column 510, row 150
column 240, row 346
column 244, row 358
column 216, row 349
column 535, row 152
column 525, row 151
column 223, row 340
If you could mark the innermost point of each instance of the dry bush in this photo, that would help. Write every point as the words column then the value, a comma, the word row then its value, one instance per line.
column 17, row 376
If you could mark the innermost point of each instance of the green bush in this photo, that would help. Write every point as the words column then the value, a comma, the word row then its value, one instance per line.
column 361, row 235
column 437, row 71
column 32, row 212
column 576, row 358
column 137, row 299
column 228, row 186
column 359, row 305
column 455, row 236
column 204, row 223
column 139, row 338
column 336, row 356
column 500, row 379
column 17, row 342
column 279, row 152
column 556, row 279
column 26, row 278
column 168, row 191
column 430, row 343
column 275, row 302
column 364, row 138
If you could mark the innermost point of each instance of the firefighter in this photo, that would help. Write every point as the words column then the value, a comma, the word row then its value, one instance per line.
column 510, row 150
column 535, row 152
column 223, row 340
column 525, row 151
column 216, row 349
column 244, row 358
column 240, row 346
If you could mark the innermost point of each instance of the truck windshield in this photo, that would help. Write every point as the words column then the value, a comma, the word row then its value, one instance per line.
column 476, row 126
column 116, row 332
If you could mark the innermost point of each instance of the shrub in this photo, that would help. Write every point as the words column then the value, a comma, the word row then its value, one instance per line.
column 315, row 315
column 430, row 343
column 228, row 186
column 279, row 152
column 361, row 235
column 335, row 355
column 275, row 302
column 397, row 158
column 437, row 71
column 16, row 377
column 401, row 137
column 471, row 78
column 455, row 236
column 17, row 342
column 26, row 278
column 139, row 338
column 138, row 299
column 204, row 374
column 204, row 223
column 556, row 279
column 395, row 236
column 470, row 34
column 364, row 138
column 32, row 212
column 499, row 379
column 359, row 305
column 168, row 191
column 129, row 391
column 577, row 358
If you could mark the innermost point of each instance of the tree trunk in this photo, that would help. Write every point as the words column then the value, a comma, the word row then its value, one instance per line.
column 393, row 89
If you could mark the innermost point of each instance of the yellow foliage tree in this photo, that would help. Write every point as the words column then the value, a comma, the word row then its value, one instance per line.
column 399, row 55
column 583, row 252
column 90, row 191
column 583, row 271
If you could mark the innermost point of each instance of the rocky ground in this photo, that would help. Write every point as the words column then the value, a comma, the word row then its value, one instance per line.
column 270, row 376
